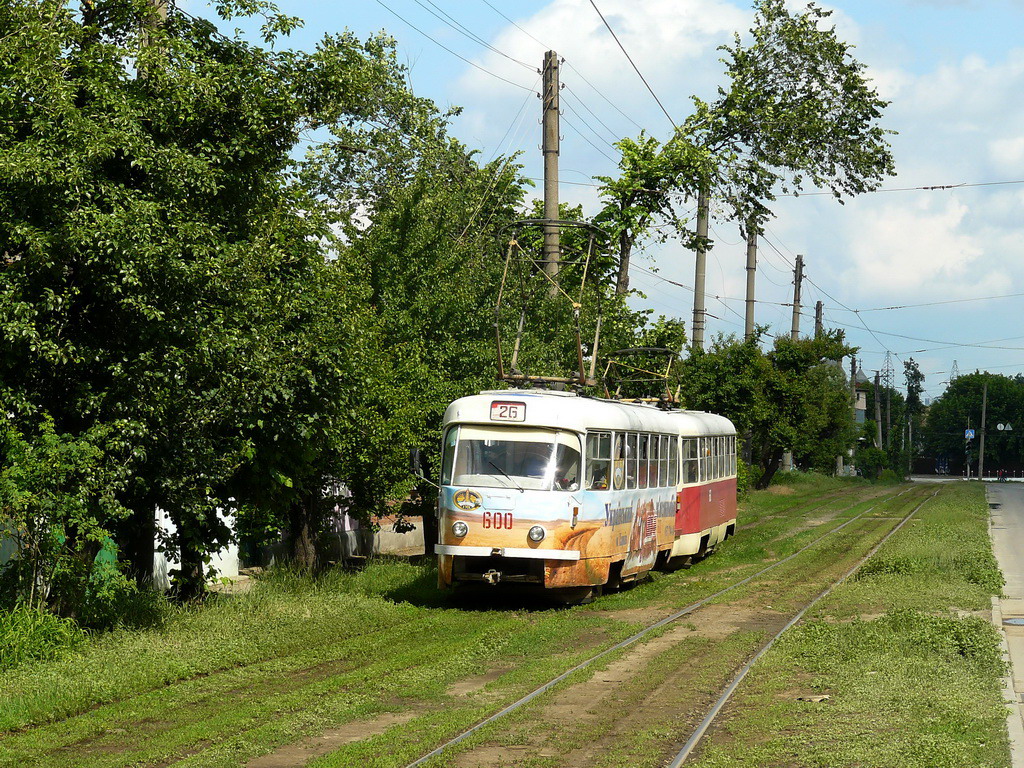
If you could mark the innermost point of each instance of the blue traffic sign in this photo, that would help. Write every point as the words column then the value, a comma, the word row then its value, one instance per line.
column 968, row 434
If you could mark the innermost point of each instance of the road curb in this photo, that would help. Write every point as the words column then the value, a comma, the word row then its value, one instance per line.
column 1014, row 713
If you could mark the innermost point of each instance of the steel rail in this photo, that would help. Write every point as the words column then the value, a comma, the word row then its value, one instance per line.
column 650, row 628
column 730, row 689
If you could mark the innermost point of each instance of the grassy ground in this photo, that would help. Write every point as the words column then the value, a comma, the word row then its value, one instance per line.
column 243, row 675
column 904, row 652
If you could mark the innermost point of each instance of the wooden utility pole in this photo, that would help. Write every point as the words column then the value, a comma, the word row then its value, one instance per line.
column 981, row 442
column 550, row 146
column 878, row 410
column 699, row 277
column 798, row 277
column 818, row 325
column 748, row 325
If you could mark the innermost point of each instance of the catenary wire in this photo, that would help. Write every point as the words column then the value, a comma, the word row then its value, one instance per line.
column 633, row 64
column 466, row 32
column 445, row 47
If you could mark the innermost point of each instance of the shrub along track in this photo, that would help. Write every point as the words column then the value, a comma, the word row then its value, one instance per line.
column 393, row 677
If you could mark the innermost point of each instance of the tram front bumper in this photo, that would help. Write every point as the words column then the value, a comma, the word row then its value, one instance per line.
column 457, row 550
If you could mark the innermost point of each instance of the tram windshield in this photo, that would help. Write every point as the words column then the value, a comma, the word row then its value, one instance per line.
column 512, row 457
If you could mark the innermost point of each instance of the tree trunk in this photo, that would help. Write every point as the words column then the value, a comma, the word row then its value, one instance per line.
column 771, row 466
column 136, row 544
column 302, row 533
column 625, row 251
column 190, row 584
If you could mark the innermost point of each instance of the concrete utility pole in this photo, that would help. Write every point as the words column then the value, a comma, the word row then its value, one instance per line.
column 853, row 385
column 878, row 410
column 699, row 313
column 748, row 325
column 981, row 443
column 550, row 146
column 798, row 277
column 157, row 19
column 818, row 325
column 910, row 448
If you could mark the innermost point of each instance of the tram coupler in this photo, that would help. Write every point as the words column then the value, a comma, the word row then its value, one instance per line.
column 492, row 576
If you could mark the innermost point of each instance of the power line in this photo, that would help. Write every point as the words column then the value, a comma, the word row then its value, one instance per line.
column 633, row 64
column 586, row 138
column 937, row 303
column 927, row 188
column 568, row 63
column 466, row 32
column 445, row 47
column 583, row 104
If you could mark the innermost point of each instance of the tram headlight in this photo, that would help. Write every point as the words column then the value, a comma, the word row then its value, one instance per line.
column 459, row 528
column 537, row 533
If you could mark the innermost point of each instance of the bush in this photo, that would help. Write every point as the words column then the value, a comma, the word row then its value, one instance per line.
column 747, row 476
column 889, row 477
column 871, row 461
column 29, row 634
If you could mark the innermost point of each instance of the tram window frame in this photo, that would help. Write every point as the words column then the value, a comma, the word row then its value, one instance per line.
column 632, row 460
column 664, row 477
column 719, row 457
column 732, row 454
column 691, row 460
column 619, row 461
column 643, row 460
column 673, row 460
column 598, row 456
column 448, row 454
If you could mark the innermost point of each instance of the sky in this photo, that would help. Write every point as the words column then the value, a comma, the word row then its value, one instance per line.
column 952, row 69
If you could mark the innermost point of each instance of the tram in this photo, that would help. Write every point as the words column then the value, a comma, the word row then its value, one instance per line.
column 573, row 493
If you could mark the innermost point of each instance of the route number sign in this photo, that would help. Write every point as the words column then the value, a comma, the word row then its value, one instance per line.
column 508, row 411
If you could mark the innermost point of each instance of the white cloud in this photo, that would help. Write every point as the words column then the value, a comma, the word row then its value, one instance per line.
column 912, row 250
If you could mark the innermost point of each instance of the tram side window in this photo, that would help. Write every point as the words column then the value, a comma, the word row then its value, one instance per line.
column 599, row 460
column 690, row 473
column 657, row 478
column 719, row 457
column 673, row 459
column 619, row 462
column 664, row 478
column 448, row 456
column 643, row 465
column 732, row 455
column 632, row 452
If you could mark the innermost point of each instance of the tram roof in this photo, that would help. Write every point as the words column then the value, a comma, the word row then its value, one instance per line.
column 567, row 410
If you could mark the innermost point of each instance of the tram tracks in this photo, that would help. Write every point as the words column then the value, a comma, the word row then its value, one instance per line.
column 774, row 624
column 698, row 734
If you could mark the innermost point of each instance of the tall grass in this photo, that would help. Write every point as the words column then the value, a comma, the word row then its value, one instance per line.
column 29, row 634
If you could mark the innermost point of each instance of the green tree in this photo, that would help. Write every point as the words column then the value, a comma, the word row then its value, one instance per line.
column 791, row 398
column 797, row 109
column 164, row 271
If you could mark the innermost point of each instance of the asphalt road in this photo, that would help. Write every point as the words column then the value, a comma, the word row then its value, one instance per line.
column 1006, row 503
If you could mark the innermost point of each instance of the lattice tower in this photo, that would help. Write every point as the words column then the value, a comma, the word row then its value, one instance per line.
column 888, row 375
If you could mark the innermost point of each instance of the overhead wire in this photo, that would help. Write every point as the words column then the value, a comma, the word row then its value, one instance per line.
column 445, row 47
column 568, row 63
column 926, row 188
column 633, row 64
column 466, row 32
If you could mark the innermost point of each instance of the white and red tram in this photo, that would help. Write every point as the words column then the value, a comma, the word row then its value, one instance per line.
column 570, row 492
